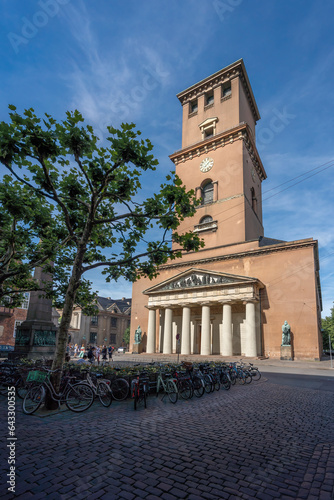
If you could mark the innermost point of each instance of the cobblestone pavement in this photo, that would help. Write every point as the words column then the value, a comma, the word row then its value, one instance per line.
column 262, row 441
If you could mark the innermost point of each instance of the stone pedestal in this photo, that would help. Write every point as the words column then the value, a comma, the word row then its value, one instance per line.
column 137, row 348
column 286, row 353
column 36, row 336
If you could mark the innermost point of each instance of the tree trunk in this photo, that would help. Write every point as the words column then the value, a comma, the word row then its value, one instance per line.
column 62, row 337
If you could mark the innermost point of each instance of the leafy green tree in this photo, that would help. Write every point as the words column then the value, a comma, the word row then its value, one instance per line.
column 126, row 336
column 25, row 218
column 328, row 330
column 94, row 195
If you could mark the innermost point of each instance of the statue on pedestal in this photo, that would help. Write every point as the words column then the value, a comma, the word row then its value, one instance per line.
column 138, row 335
column 286, row 334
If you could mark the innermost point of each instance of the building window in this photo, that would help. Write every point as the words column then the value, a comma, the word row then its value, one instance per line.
column 25, row 302
column 254, row 200
column 113, row 338
column 208, row 133
column 207, row 193
column 206, row 224
column 113, row 322
column 17, row 323
column 209, row 99
column 226, row 89
column 208, row 127
column 206, row 218
column 94, row 320
column 193, row 106
column 92, row 337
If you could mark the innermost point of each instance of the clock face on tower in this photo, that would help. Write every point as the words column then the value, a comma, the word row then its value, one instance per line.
column 206, row 164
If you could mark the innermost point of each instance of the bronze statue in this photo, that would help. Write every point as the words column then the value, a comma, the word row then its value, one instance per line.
column 138, row 335
column 286, row 334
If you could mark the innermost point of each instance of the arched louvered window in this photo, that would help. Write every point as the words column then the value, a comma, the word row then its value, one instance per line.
column 254, row 200
column 205, row 219
column 207, row 193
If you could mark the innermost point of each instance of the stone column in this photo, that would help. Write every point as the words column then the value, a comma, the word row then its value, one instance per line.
column 250, row 347
column 205, row 337
column 151, row 334
column 227, row 344
column 161, row 329
column 185, row 336
column 168, row 331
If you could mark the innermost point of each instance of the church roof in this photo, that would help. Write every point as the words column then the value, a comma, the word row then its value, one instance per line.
column 121, row 305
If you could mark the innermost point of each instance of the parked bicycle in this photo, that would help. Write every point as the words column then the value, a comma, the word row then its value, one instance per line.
column 100, row 387
column 140, row 389
column 196, row 380
column 183, row 384
column 78, row 396
column 13, row 375
column 119, row 388
column 167, row 383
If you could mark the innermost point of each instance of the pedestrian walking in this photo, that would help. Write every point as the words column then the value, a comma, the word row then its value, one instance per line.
column 110, row 350
column 82, row 351
column 97, row 354
column 76, row 349
column 91, row 355
column 104, row 353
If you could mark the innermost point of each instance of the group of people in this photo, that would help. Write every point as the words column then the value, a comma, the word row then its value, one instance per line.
column 93, row 353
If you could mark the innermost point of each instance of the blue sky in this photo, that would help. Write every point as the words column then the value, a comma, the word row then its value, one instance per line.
column 126, row 61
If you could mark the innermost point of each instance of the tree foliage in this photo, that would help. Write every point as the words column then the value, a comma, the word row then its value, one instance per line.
column 328, row 330
column 126, row 336
column 83, row 207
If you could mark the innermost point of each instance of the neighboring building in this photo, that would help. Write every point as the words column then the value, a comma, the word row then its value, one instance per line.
column 10, row 319
column 233, row 296
column 107, row 327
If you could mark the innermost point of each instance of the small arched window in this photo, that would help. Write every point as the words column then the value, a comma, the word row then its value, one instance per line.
column 207, row 193
column 205, row 219
column 254, row 200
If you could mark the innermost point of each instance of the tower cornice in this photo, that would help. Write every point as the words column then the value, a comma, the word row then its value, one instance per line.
column 241, row 132
column 234, row 70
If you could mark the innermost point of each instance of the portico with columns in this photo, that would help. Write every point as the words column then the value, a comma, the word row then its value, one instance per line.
column 212, row 313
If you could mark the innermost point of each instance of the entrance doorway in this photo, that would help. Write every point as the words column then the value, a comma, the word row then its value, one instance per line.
column 197, row 343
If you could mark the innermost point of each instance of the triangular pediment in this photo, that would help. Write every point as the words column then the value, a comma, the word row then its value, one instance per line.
column 208, row 122
column 198, row 278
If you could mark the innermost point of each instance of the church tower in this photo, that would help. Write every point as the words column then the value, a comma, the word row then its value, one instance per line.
column 219, row 159
column 231, row 297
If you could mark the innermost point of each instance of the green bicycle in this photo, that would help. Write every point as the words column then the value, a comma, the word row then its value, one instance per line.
column 167, row 383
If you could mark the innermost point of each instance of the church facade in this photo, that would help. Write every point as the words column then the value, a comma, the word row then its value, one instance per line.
column 232, row 297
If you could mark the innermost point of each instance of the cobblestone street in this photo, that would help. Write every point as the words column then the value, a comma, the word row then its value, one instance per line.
column 262, row 441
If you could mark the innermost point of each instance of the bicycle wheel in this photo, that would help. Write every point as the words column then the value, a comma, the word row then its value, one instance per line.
column 33, row 399
column 241, row 378
column 79, row 397
column 171, row 391
column 4, row 384
column 119, row 389
column 225, row 382
column 256, row 375
column 216, row 383
column 233, row 377
column 21, row 388
column 248, row 377
column 104, row 394
column 184, row 389
column 198, row 386
column 208, row 386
